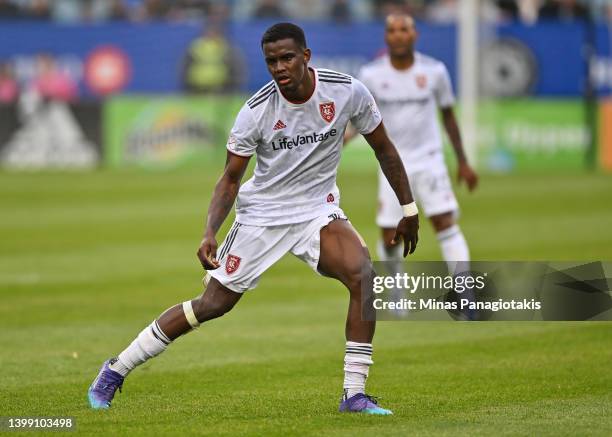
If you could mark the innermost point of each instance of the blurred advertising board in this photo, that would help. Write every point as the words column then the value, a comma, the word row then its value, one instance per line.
column 167, row 131
column 532, row 134
column 605, row 134
column 547, row 58
column 40, row 134
column 517, row 135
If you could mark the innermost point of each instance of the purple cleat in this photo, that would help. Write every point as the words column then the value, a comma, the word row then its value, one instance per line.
column 362, row 403
column 102, row 390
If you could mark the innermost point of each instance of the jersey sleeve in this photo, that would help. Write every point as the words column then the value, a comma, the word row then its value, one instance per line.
column 244, row 136
column 365, row 115
column 444, row 89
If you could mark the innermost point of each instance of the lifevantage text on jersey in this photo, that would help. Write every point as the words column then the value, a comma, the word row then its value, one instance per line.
column 291, row 142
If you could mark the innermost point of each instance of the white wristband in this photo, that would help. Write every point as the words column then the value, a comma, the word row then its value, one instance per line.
column 410, row 209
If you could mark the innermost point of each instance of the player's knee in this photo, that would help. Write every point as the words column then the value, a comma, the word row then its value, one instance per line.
column 358, row 276
column 207, row 309
column 387, row 239
column 389, row 246
column 442, row 221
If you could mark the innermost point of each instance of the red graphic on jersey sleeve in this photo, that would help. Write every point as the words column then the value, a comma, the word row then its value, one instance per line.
column 421, row 81
column 328, row 111
column 330, row 198
column 232, row 264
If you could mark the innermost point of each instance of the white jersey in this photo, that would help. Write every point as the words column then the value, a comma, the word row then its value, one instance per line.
column 298, row 148
column 408, row 100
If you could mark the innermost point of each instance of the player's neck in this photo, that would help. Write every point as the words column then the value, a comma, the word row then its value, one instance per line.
column 304, row 92
column 402, row 62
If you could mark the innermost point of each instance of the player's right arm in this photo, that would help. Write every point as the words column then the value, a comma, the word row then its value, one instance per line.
column 221, row 204
column 241, row 145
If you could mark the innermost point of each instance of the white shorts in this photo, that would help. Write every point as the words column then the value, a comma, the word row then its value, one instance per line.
column 431, row 188
column 248, row 251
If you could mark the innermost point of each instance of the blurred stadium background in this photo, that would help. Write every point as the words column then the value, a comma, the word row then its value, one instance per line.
column 113, row 120
column 156, row 83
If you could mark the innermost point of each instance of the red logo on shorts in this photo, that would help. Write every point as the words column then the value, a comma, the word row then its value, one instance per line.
column 330, row 198
column 421, row 81
column 328, row 111
column 232, row 264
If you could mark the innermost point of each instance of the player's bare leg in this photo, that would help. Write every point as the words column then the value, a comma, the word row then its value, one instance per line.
column 155, row 338
column 214, row 302
column 343, row 256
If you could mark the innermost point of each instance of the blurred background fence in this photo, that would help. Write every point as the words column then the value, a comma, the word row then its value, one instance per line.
column 158, row 83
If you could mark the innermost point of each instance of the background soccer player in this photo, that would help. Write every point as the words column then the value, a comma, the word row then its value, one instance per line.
column 409, row 87
column 295, row 125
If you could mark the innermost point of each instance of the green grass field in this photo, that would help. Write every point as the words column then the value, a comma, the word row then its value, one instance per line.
column 87, row 260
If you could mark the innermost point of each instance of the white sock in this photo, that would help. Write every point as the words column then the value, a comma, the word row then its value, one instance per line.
column 357, row 362
column 150, row 342
column 454, row 249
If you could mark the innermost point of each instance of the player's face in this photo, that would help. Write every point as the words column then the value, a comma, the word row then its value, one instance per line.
column 400, row 35
column 287, row 63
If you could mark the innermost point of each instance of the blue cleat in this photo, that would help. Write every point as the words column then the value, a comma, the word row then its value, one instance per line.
column 362, row 403
column 102, row 390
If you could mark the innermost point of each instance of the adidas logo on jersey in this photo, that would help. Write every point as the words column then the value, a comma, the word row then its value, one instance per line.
column 279, row 125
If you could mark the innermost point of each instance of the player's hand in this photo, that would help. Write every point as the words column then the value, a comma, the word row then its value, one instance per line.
column 207, row 253
column 467, row 174
column 407, row 230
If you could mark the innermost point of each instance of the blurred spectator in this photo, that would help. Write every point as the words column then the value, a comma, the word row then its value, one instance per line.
column 564, row 10
column 269, row 9
column 340, row 11
column 9, row 89
column 382, row 8
column 67, row 10
column 528, row 10
column 52, row 83
column 153, row 10
column 8, row 10
column 447, row 11
column 212, row 65
column 443, row 11
column 603, row 9
column 509, row 9
column 39, row 10
column 104, row 10
column 191, row 10
column 117, row 11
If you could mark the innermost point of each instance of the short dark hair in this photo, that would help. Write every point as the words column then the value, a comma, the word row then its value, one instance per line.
column 284, row 31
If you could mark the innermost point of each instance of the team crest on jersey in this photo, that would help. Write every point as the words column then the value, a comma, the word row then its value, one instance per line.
column 330, row 198
column 421, row 81
column 328, row 111
column 232, row 264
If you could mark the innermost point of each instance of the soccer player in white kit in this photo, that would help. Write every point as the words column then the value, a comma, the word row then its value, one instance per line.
column 409, row 87
column 295, row 126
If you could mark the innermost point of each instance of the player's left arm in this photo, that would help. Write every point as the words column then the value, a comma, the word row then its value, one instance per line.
column 393, row 169
column 464, row 171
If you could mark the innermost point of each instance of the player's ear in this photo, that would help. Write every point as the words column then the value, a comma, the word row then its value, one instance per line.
column 307, row 54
